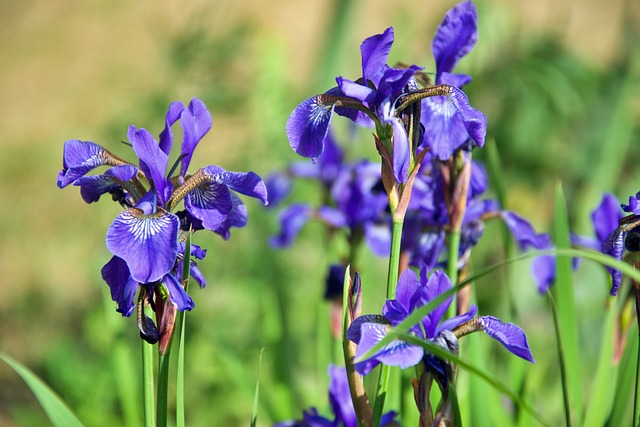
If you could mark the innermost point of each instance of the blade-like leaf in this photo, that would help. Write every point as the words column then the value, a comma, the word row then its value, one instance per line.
column 443, row 354
column 57, row 411
column 565, row 297
column 256, row 396
column 601, row 400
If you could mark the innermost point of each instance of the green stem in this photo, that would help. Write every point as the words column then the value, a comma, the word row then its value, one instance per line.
column 186, row 269
column 635, row 421
column 563, row 370
column 147, row 383
column 392, row 281
column 163, row 388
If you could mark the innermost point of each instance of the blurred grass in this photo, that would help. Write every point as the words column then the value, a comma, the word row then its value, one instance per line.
column 560, row 93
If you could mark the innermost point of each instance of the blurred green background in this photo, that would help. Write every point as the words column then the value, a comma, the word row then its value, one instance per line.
column 559, row 82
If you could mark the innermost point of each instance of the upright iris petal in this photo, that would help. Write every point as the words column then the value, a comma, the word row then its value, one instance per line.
column 455, row 37
column 153, row 161
column 146, row 242
column 166, row 136
column 375, row 51
column 196, row 122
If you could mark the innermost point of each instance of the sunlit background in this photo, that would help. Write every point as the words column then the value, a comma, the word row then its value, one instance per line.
column 559, row 82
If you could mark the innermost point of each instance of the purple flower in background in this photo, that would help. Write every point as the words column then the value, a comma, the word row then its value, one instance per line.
column 147, row 238
column 412, row 293
column 449, row 121
column 344, row 415
column 355, row 203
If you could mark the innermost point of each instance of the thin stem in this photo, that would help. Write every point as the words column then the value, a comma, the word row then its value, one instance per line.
column 147, row 383
column 563, row 370
column 186, row 269
column 392, row 281
column 635, row 421
column 163, row 388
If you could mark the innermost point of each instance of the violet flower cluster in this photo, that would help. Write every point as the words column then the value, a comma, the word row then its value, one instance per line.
column 412, row 293
column 344, row 414
column 389, row 99
column 147, row 239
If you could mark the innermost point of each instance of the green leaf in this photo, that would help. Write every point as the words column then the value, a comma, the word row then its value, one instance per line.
column 186, row 270
column 443, row 354
column 567, row 317
column 623, row 396
column 603, row 393
column 256, row 396
column 57, row 411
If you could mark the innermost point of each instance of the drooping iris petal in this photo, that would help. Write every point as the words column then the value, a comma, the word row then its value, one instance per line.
column 455, row 37
column 292, row 220
column 121, row 285
column 449, row 122
column 210, row 203
column 307, row 127
column 375, row 51
column 78, row 158
column 613, row 246
column 544, row 272
column 196, row 122
column 606, row 216
column 94, row 186
column 153, row 161
column 166, row 136
column 509, row 335
column 340, row 397
column 147, row 243
column 179, row 296
column 524, row 232
column 237, row 217
column 354, row 332
column 247, row 183
column 396, row 353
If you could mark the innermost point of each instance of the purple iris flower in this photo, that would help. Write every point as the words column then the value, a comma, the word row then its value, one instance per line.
column 356, row 201
column 412, row 293
column 377, row 99
column 147, row 238
column 617, row 233
column 449, row 121
column 344, row 415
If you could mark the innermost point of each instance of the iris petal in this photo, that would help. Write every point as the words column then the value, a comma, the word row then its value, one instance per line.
column 209, row 202
column 147, row 243
column 455, row 37
column 179, row 296
column 247, row 183
column 292, row 220
column 509, row 335
column 79, row 157
column 153, row 161
column 375, row 51
column 307, row 127
column 396, row 353
column 166, row 136
column 196, row 122
column 613, row 245
column 121, row 285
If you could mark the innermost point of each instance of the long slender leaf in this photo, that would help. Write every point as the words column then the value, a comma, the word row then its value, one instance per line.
column 567, row 318
column 623, row 397
column 601, row 400
column 57, row 411
column 256, row 396
column 186, row 270
column 423, row 311
column 443, row 354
